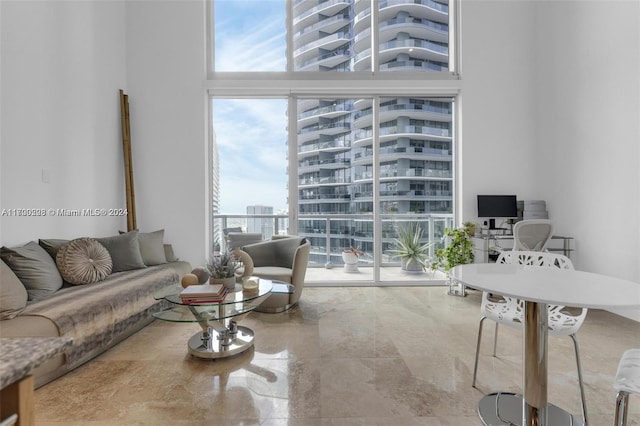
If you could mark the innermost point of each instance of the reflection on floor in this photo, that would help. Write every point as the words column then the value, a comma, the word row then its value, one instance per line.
column 388, row 275
column 344, row 356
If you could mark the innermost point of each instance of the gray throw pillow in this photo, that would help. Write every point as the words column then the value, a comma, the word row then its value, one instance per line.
column 124, row 250
column 35, row 269
column 13, row 295
column 52, row 246
column 152, row 247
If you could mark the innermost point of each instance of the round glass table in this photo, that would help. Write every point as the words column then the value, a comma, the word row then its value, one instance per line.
column 221, row 336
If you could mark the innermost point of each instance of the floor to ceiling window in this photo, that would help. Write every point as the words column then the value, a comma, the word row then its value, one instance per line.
column 366, row 125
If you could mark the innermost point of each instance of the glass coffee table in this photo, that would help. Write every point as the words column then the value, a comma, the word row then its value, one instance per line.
column 221, row 336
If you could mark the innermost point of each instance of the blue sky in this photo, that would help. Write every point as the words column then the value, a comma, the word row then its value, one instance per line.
column 250, row 35
column 251, row 136
column 251, row 133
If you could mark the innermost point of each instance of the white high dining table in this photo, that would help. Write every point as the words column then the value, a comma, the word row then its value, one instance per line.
column 539, row 286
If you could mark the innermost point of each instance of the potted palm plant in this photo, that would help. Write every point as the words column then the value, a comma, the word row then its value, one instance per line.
column 222, row 269
column 413, row 253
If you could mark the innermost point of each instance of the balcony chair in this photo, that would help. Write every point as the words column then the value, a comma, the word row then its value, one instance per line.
column 627, row 381
column 532, row 234
column 235, row 239
column 510, row 311
column 281, row 259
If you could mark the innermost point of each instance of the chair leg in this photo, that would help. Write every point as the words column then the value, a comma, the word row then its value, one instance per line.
column 580, row 382
column 475, row 365
column 495, row 340
column 622, row 400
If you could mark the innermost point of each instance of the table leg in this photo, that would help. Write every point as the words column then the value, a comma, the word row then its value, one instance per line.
column 19, row 398
column 534, row 405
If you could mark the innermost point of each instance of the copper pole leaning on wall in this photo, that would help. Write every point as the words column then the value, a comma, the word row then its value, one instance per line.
column 128, row 167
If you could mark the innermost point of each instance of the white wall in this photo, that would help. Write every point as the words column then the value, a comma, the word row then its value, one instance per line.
column 550, row 107
column 588, row 130
column 497, row 130
column 62, row 66
column 165, row 84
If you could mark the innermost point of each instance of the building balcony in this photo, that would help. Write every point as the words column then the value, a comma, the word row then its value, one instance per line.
column 328, row 164
column 388, row 9
column 364, row 137
column 336, row 145
column 398, row 174
column 304, row 18
column 416, row 28
column 312, row 49
column 428, row 111
column 416, row 49
column 329, row 60
column 327, row 180
column 331, row 111
column 397, row 153
column 327, row 25
column 314, row 131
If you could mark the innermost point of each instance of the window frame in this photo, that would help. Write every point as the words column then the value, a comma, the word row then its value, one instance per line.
column 294, row 85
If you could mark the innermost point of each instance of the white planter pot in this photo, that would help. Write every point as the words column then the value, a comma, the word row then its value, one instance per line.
column 412, row 267
column 350, row 261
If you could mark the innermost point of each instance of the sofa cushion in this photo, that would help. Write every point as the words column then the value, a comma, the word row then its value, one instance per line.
column 35, row 269
column 52, row 246
column 152, row 247
column 124, row 250
column 83, row 261
column 13, row 295
column 168, row 252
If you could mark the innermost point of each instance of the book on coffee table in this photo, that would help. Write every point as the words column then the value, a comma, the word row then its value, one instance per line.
column 210, row 291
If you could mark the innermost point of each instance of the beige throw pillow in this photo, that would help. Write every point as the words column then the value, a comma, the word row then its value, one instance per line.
column 83, row 261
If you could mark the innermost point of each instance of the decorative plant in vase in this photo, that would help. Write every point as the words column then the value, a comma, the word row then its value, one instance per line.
column 350, row 257
column 458, row 250
column 413, row 253
column 222, row 269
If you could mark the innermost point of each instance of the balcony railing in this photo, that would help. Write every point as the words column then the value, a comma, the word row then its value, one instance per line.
column 331, row 234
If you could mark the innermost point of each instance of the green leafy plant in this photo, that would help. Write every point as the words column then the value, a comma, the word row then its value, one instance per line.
column 222, row 266
column 409, row 246
column 458, row 249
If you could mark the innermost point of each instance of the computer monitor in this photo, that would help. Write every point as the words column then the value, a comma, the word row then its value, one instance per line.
column 497, row 206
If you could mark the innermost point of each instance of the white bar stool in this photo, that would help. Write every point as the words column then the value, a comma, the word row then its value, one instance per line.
column 627, row 382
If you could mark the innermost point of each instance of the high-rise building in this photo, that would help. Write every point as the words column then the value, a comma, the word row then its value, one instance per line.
column 263, row 225
column 335, row 136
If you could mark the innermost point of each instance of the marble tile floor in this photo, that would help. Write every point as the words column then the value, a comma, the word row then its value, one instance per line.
column 352, row 356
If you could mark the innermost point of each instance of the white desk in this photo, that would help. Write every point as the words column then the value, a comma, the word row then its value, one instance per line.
column 484, row 246
column 539, row 287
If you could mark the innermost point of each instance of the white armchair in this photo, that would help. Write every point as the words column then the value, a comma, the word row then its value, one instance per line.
column 281, row 259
